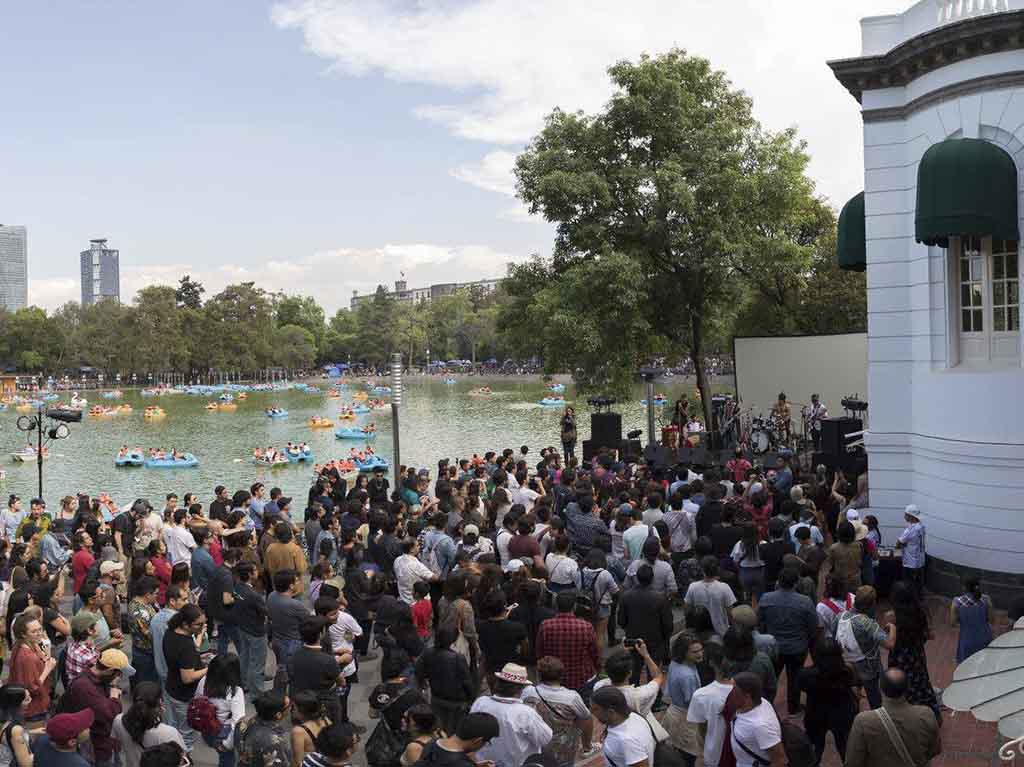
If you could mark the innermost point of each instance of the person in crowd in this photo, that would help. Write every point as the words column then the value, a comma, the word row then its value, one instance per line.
column 521, row 730
column 142, row 725
column 915, row 730
column 220, row 598
column 501, row 640
column 263, row 740
column 755, row 732
column 836, row 601
column 309, row 718
column 456, row 610
column 334, row 746
column 571, row 640
column 664, row 578
column 141, row 611
column 708, row 703
column 409, row 569
column 862, row 638
column 971, row 613
column 628, row 740
column 31, row 666
column 310, row 668
column 831, row 686
column 421, row 725
column 564, row 712
column 285, row 554
column 249, row 616
column 563, row 570
column 911, row 544
column 791, row 619
column 913, row 630
column 14, row 736
column 647, row 615
column 98, row 690
column 682, row 682
column 185, row 667
column 682, row 529
column 447, row 675
column 59, row 746
column 845, row 557
column 745, row 617
column 747, row 556
column 473, row 734
column 178, row 541
column 222, row 685
column 711, row 593
column 177, row 598
column 286, row 612
column 620, row 668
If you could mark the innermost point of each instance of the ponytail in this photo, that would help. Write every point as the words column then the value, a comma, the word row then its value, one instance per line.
column 973, row 586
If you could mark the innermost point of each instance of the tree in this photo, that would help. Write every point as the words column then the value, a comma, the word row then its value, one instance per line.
column 305, row 312
column 159, row 341
column 239, row 326
column 375, row 320
column 189, row 293
column 664, row 177
column 295, row 346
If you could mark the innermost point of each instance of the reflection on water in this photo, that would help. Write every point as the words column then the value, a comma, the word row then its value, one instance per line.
column 436, row 421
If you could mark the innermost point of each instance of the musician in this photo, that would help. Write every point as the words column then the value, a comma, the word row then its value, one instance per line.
column 783, row 417
column 680, row 412
column 816, row 413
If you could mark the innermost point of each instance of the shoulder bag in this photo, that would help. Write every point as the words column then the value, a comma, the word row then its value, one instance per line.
column 894, row 737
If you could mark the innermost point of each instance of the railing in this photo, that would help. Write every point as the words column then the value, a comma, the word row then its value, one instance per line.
column 955, row 10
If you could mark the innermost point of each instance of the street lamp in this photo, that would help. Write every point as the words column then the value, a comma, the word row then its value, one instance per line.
column 57, row 428
column 649, row 375
column 396, row 400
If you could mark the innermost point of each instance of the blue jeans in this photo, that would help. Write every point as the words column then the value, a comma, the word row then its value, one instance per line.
column 225, row 756
column 226, row 632
column 284, row 649
column 252, row 652
column 176, row 715
column 145, row 667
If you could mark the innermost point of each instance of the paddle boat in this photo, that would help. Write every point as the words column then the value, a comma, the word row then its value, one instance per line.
column 124, row 409
column 116, row 394
column 152, row 412
column 450, row 382
column 99, row 410
column 355, row 434
column 243, row 396
column 371, row 462
column 556, row 387
column 381, row 390
column 271, row 461
column 316, row 422
column 131, row 458
column 297, row 453
column 361, row 409
column 50, row 397
column 226, row 398
column 360, row 395
column 153, row 392
column 483, row 391
column 227, row 406
column 27, row 454
column 78, row 403
column 24, row 408
column 333, row 393
column 345, row 466
column 211, row 406
column 347, row 415
column 276, row 412
column 658, row 401
column 552, row 402
column 3, row 406
column 186, row 461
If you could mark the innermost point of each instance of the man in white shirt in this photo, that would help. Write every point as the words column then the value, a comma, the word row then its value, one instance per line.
column 711, row 593
column 178, row 539
column 521, row 730
column 343, row 631
column 756, row 732
column 629, row 740
column 705, row 708
column 408, row 569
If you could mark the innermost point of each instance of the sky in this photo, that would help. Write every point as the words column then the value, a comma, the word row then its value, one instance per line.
column 321, row 147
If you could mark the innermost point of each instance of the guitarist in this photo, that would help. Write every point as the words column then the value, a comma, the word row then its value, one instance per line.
column 815, row 414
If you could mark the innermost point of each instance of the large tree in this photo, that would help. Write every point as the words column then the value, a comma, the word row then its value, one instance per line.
column 305, row 312
column 676, row 176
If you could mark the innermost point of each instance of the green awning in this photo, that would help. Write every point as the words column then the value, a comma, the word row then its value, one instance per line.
column 851, row 252
column 965, row 186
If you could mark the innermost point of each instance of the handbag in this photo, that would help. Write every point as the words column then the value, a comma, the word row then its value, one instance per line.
column 894, row 737
column 385, row 746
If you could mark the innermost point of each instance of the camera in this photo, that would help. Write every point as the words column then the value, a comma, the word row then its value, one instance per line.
column 630, row 643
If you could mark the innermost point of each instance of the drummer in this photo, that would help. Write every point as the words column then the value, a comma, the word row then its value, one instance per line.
column 783, row 417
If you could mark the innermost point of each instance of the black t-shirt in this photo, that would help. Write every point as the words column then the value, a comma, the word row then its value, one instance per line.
column 378, row 490
column 435, row 755
column 219, row 510
column 772, row 554
column 180, row 653
column 124, row 523
column 723, row 538
column 49, row 616
column 709, row 514
column 499, row 642
column 313, row 670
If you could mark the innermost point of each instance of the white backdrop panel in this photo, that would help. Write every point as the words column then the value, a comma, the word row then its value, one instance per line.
column 832, row 366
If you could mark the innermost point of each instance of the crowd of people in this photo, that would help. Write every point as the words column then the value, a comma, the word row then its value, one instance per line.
column 524, row 611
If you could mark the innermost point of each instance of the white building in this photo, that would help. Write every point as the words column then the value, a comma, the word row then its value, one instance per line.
column 405, row 294
column 942, row 92
column 13, row 268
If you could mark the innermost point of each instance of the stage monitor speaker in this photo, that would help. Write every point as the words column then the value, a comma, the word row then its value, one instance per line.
column 834, row 431
column 630, row 450
column 590, row 449
column 606, row 429
column 657, row 456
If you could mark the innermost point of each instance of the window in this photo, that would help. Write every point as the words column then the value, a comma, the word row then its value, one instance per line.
column 987, row 282
column 95, row 259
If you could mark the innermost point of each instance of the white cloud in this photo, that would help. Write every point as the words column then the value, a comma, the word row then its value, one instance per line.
column 329, row 276
column 507, row 63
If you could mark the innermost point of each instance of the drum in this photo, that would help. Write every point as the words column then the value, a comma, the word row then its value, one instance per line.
column 670, row 437
column 760, row 440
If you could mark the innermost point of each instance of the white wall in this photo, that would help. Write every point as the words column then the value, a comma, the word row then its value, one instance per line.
column 832, row 366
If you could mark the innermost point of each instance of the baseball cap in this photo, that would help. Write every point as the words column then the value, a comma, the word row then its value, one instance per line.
column 114, row 658
column 65, row 727
column 83, row 621
column 106, row 568
column 141, row 506
column 283, row 502
column 852, row 515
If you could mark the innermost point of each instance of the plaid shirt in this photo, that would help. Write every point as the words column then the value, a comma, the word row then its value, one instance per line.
column 572, row 641
column 583, row 528
column 79, row 658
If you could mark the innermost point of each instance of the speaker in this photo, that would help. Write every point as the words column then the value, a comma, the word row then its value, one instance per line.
column 606, row 429
column 834, row 431
column 589, row 450
column 630, row 451
column 656, row 455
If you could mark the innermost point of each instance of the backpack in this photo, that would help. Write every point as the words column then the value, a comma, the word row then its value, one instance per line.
column 852, row 652
column 202, row 716
column 428, row 552
column 588, row 601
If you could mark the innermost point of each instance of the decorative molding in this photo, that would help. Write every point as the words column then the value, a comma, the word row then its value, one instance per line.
column 937, row 48
column 956, row 90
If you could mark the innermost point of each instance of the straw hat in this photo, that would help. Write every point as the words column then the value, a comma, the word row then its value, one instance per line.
column 514, row 673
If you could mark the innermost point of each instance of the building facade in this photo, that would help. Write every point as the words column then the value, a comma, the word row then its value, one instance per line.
column 403, row 293
column 937, row 228
column 13, row 267
column 101, row 273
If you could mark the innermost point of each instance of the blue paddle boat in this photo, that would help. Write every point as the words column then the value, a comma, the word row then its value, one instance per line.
column 357, row 434
column 188, row 462
column 133, row 458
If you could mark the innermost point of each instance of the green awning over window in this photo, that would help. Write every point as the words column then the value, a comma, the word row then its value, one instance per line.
column 851, row 252
column 965, row 186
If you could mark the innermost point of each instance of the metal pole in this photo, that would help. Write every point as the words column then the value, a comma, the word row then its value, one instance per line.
column 39, row 450
column 650, row 413
column 396, row 400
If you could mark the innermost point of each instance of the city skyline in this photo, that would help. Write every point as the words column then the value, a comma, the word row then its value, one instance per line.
column 321, row 148
column 13, row 267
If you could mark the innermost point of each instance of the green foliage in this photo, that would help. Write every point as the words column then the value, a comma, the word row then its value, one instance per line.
column 303, row 311
column 189, row 294
column 296, row 347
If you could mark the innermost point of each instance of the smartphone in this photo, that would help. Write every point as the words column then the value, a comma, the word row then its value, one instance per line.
column 630, row 642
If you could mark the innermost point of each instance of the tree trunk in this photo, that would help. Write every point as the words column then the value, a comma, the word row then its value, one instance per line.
column 697, row 357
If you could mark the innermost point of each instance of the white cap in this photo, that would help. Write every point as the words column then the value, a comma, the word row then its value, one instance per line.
column 852, row 515
column 912, row 511
column 757, row 487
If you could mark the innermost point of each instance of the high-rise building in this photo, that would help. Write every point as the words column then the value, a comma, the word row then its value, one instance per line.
column 101, row 274
column 13, row 268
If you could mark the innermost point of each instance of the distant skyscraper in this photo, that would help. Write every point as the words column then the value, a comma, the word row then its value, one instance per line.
column 101, row 274
column 13, row 268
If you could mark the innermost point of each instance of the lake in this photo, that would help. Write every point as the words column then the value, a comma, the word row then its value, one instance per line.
column 436, row 420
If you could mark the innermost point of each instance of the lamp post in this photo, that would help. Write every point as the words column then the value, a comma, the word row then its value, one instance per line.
column 58, row 429
column 396, row 400
column 649, row 375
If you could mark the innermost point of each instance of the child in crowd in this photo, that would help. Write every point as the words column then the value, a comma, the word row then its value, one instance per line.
column 422, row 610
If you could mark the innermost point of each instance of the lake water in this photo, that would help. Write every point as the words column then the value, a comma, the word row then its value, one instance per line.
column 436, row 420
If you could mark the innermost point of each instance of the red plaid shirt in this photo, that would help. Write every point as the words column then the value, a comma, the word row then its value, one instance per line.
column 572, row 641
column 79, row 658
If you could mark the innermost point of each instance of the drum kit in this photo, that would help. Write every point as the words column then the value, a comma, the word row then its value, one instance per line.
column 766, row 434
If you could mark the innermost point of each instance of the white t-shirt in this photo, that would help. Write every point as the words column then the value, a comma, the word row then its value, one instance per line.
column 521, row 731
column 758, row 730
column 408, row 569
column 525, row 496
column 230, row 710
column 706, row 708
column 501, row 540
column 562, row 570
column 717, row 597
column 179, row 543
column 342, row 632
column 629, row 743
column 640, row 698
column 558, row 696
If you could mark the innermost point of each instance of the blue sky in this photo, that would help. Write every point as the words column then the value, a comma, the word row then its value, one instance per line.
column 324, row 146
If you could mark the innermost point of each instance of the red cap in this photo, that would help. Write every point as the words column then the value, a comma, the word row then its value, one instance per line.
column 65, row 727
